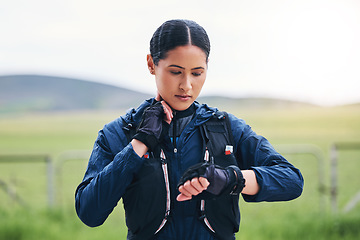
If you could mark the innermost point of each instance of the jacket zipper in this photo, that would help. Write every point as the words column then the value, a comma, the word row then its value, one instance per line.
column 167, row 186
column 202, row 202
column 174, row 132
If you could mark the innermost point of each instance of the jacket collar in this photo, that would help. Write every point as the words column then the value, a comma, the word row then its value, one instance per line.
column 203, row 112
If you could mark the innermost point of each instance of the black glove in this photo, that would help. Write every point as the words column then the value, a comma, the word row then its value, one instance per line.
column 222, row 180
column 152, row 127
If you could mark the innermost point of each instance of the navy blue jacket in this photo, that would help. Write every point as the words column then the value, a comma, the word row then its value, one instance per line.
column 113, row 164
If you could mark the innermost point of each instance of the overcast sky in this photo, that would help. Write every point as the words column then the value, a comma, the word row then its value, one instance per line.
column 305, row 50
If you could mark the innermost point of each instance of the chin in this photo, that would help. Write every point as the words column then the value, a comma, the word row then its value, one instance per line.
column 181, row 107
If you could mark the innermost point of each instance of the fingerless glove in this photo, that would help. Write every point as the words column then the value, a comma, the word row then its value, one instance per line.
column 152, row 127
column 227, row 180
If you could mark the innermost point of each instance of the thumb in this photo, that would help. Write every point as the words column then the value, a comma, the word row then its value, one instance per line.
column 181, row 197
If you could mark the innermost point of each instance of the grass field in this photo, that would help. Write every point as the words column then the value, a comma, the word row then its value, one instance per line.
column 29, row 217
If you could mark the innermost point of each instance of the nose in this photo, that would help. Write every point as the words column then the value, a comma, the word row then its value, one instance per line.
column 185, row 83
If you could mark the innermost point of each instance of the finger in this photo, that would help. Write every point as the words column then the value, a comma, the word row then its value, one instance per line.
column 167, row 117
column 197, row 185
column 167, row 107
column 204, row 182
column 190, row 188
column 181, row 197
column 184, row 191
column 168, row 112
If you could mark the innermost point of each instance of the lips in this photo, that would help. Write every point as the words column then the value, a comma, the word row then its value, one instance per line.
column 183, row 97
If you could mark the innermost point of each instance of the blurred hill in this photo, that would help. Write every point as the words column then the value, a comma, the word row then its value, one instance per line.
column 227, row 103
column 27, row 93
column 47, row 93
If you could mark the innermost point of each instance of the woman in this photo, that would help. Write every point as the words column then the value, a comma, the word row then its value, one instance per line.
column 153, row 157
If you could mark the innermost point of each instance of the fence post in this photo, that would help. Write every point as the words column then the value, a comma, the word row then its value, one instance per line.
column 334, row 174
column 50, row 184
column 318, row 154
column 17, row 158
column 333, row 191
column 70, row 155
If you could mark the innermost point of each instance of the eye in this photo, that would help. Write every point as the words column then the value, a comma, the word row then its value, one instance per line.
column 196, row 74
column 175, row 72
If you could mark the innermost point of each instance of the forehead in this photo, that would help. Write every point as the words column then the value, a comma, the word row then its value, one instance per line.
column 185, row 56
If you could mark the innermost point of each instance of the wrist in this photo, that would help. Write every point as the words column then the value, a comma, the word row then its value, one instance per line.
column 149, row 140
column 139, row 147
column 237, row 180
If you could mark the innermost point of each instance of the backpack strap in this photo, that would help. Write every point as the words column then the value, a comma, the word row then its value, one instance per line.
column 217, row 135
column 218, row 142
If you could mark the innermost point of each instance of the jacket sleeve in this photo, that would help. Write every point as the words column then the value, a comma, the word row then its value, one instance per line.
column 108, row 174
column 278, row 179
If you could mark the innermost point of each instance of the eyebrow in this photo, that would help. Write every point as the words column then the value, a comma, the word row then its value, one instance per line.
column 173, row 65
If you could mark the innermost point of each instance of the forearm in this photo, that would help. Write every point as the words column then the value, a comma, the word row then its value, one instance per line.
column 96, row 198
column 251, row 184
column 277, row 183
column 139, row 147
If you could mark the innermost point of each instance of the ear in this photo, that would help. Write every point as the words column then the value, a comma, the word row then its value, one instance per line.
column 150, row 63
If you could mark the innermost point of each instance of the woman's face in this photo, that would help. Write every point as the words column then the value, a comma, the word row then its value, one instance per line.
column 180, row 76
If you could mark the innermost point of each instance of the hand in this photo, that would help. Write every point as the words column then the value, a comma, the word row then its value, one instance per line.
column 167, row 109
column 154, row 124
column 220, row 180
column 192, row 187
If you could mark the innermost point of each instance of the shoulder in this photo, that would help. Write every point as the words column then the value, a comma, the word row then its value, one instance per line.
column 114, row 132
column 238, row 125
column 236, row 122
column 240, row 129
column 132, row 116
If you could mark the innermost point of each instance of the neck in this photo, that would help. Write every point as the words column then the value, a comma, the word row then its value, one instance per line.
column 184, row 113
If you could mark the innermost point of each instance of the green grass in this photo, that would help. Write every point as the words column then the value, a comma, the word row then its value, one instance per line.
column 53, row 134
column 54, row 224
column 57, row 224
